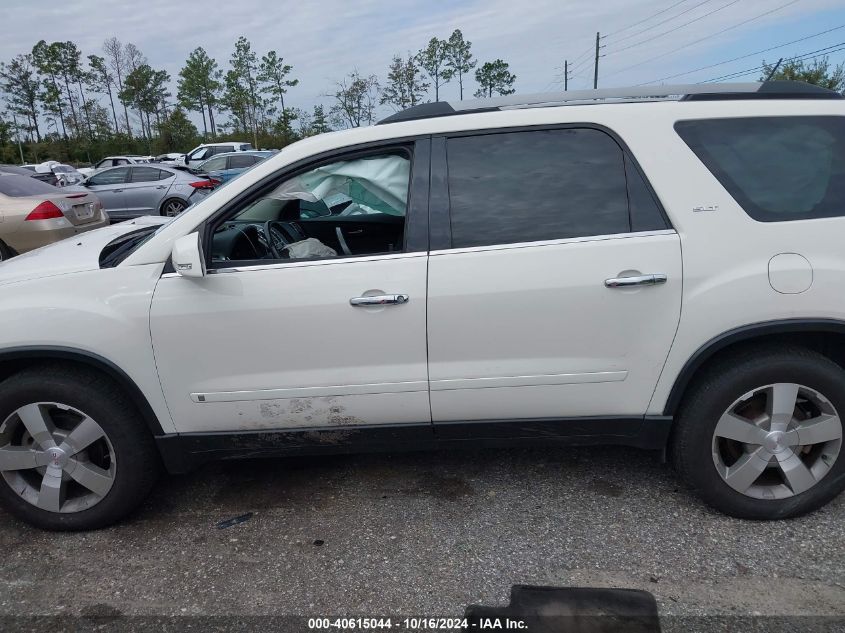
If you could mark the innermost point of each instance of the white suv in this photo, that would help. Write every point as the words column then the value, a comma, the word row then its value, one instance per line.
column 663, row 271
column 207, row 150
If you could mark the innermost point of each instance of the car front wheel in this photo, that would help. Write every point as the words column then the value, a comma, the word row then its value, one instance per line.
column 760, row 436
column 74, row 453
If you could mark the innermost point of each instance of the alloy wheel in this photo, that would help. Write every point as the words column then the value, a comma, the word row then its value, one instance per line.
column 777, row 441
column 56, row 457
column 173, row 208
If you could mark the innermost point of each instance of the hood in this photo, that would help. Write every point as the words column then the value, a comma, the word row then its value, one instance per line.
column 74, row 254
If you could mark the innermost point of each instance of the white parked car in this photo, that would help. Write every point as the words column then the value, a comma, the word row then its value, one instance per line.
column 115, row 161
column 205, row 151
column 661, row 270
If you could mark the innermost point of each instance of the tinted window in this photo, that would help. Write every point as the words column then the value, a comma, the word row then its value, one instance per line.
column 645, row 213
column 238, row 162
column 145, row 174
column 110, row 176
column 14, row 185
column 531, row 186
column 776, row 168
column 223, row 149
column 214, row 163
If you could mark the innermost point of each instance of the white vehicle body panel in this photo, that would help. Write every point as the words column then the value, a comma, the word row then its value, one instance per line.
column 533, row 320
column 58, row 297
column 531, row 331
column 281, row 346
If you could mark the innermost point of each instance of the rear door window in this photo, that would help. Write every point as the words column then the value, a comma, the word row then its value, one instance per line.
column 214, row 163
column 776, row 168
column 241, row 161
column 145, row 174
column 110, row 176
column 540, row 185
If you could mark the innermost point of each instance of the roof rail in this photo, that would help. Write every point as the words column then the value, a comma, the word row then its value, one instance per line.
column 683, row 92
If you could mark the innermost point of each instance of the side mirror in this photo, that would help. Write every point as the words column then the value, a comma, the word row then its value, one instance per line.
column 187, row 256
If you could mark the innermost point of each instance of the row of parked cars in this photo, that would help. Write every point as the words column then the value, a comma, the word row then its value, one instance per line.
column 38, row 206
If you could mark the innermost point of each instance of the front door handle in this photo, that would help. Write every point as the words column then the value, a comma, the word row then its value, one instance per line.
column 379, row 300
column 638, row 280
column 117, row 190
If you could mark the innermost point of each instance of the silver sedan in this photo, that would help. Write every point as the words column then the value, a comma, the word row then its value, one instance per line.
column 132, row 190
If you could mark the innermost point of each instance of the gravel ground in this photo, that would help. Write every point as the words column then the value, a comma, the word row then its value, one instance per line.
column 425, row 534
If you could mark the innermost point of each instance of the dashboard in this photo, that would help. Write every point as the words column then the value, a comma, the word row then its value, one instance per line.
column 249, row 240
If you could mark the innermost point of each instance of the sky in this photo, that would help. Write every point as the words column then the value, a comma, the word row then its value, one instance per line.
column 644, row 40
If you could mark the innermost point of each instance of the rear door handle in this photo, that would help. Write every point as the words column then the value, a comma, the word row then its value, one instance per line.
column 379, row 300
column 117, row 190
column 638, row 280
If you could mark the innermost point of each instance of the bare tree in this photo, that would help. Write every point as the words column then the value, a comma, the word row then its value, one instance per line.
column 117, row 61
column 355, row 100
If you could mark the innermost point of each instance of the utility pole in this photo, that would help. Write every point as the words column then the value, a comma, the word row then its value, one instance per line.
column 596, row 70
column 565, row 75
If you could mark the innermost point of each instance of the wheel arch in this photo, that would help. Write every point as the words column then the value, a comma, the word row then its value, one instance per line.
column 167, row 199
column 13, row 360
column 826, row 336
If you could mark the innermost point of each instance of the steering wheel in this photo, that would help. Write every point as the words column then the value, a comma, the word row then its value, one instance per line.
column 276, row 240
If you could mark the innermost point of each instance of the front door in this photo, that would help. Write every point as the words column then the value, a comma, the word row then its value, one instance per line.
column 290, row 331
column 558, row 292
column 109, row 186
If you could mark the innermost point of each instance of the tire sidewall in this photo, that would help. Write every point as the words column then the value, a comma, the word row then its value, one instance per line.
column 703, row 412
column 115, row 416
column 167, row 201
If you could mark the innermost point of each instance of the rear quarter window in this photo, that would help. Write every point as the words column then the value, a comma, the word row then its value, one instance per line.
column 776, row 168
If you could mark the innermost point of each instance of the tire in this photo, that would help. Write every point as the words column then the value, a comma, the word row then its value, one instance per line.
column 172, row 207
column 5, row 252
column 123, row 462
column 744, row 388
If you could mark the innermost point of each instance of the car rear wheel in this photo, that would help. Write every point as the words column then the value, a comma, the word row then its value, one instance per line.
column 173, row 207
column 760, row 436
column 74, row 453
column 5, row 252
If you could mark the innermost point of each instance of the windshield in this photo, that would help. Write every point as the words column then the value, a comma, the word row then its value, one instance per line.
column 16, row 186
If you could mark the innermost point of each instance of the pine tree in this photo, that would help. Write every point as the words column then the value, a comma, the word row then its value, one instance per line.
column 18, row 80
column 432, row 58
column 273, row 72
column 459, row 58
column 494, row 77
column 406, row 86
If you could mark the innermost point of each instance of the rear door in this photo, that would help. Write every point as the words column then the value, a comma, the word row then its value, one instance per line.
column 110, row 185
column 554, row 282
column 146, row 189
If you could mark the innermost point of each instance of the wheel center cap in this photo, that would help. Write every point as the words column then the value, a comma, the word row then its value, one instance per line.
column 775, row 442
column 57, row 457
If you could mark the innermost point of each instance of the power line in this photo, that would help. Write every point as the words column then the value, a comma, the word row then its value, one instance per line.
column 734, row 59
column 708, row 37
column 672, row 30
column 654, row 15
column 662, row 22
column 834, row 48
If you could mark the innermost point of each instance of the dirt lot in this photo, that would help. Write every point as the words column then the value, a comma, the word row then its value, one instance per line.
column 425, row 534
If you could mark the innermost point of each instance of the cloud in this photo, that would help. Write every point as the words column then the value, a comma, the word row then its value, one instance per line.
column 326, row 39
